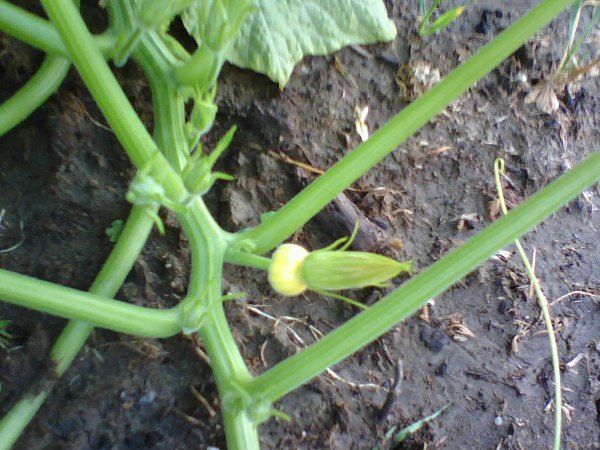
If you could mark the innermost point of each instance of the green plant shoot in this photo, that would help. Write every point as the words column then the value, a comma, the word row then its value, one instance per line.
column 426, row 28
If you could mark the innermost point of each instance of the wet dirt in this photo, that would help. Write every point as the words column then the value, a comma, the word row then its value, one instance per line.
column 480, row 347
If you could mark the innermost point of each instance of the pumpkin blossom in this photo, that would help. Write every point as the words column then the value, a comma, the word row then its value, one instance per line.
column 293, row 269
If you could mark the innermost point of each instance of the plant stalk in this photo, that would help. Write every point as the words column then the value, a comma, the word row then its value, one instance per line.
column 40, row 33
column 208, row 244
column 324, row 189
column 113, row 273
column 110, row 97
column 412, row 295
column 31, row 96
column 95, row 309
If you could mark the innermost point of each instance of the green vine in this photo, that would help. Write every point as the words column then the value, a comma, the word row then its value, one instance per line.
column 175, row 171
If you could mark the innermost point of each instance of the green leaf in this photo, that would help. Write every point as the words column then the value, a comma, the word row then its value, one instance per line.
column 114, row 231
column 416, row 426
column 278, row 33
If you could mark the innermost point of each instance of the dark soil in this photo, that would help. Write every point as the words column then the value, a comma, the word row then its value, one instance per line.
column 480, row 347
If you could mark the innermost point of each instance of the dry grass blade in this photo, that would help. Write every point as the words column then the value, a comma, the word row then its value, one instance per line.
column 543, row 302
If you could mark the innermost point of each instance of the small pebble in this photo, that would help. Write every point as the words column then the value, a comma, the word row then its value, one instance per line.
column 503, row 306
column 442, row 370
column 433, row 338
column 148, row 398
column 498, row 421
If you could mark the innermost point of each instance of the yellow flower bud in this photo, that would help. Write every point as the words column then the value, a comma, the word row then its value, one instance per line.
column 293, row 269
column 284, row 270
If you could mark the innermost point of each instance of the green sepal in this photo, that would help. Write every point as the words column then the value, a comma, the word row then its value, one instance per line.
column 197, row 175
column 203, row 116
column 345, row 242
column 338, row 270
column 222, row 145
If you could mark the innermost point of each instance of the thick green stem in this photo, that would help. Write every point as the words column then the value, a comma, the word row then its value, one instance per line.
column 169, row 107
column 30, row 28
column 37, row 90
column 115, row 106
column 208, row 244
column 18, row 417
column 206, row 238
column 98, row 310
column 313, row 198
column 94, row 307
column 231, row 373
column 407, row 299
column 113, row 273
column 100, row 80
column 40, row 33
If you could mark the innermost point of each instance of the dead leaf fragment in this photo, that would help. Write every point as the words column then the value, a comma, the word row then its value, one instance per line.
column 467, row 221
column 361, row 127
column 456, row 327
column 544, row 97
